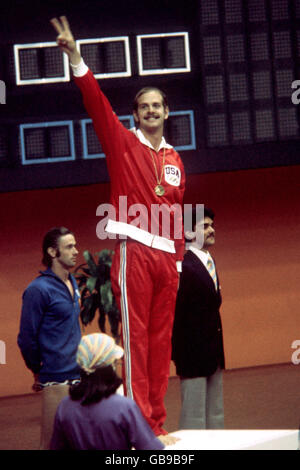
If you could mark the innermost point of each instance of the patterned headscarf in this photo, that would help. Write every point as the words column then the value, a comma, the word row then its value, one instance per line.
column 97, row 350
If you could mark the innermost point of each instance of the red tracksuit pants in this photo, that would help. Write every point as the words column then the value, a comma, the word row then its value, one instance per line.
column 144, row 282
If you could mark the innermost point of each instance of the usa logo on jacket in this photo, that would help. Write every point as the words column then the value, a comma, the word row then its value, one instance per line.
column 172, row 175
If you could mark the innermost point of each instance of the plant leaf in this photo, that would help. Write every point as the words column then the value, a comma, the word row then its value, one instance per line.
column 96, row 293
column 90, row 262
column 106, row 296
column 91, row 283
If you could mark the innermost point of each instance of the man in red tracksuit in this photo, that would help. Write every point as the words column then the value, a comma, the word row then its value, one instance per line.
column 149, row 172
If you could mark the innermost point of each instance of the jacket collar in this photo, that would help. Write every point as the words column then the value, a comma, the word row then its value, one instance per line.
column 202, row 255
column 145, row 141
column 49, row 272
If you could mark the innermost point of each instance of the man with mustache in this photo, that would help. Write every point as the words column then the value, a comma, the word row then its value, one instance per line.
column 197, row 341
column 49, row 328
column 144, row 273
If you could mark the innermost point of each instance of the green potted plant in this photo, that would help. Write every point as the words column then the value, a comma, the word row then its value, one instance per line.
column 93, row 278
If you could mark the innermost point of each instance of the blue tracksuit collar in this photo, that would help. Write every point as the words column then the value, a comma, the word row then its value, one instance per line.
column 49, row 272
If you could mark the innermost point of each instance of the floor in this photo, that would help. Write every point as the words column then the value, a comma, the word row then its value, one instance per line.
column 266, row 397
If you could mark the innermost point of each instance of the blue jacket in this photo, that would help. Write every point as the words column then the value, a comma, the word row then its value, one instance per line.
column 49, row 329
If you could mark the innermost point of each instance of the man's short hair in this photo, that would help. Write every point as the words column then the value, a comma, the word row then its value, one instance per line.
column 147, row 89
column 51, row 241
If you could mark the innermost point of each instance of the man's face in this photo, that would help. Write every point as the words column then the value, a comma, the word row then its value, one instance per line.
column 151, row 113
column 206, row 228
column 67, row 252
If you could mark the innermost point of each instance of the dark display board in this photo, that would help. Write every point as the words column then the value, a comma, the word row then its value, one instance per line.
column 227, row 66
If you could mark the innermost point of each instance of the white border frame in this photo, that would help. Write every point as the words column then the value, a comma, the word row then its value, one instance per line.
column 190, row 113
column 39, row 81
column 125, row 39
column 165, row 70
column 68, row 124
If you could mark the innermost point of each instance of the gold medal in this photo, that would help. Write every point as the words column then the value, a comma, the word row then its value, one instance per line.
column 159, row 190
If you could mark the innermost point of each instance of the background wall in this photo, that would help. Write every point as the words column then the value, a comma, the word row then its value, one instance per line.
column 257, row 251
column 244, row 57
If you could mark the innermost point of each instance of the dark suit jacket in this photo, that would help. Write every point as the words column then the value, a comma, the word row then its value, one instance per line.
column 197, row 340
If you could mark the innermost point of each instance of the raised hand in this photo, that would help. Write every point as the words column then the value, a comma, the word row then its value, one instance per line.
column 65, row 39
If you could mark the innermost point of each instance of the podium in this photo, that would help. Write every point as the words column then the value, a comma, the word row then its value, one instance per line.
column 235, row 440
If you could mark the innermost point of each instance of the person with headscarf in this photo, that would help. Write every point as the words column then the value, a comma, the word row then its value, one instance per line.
column 94, row 416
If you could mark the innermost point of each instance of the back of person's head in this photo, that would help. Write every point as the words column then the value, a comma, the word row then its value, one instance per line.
column 51, row 240
column 96, row 355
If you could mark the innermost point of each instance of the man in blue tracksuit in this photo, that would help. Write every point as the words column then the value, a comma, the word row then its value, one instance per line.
column 49, row 328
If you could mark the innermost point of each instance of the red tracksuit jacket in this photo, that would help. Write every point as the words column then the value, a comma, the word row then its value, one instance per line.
column 130, row 165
